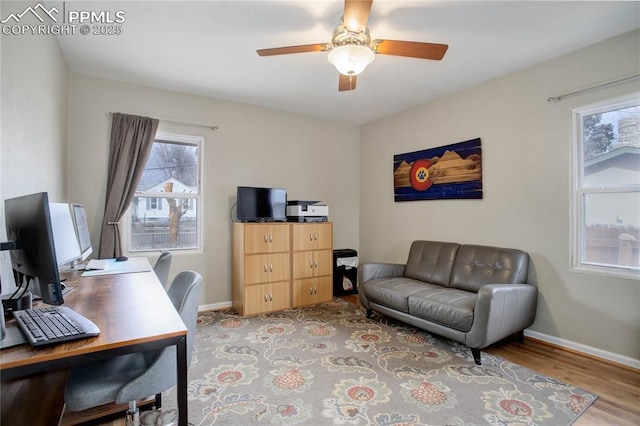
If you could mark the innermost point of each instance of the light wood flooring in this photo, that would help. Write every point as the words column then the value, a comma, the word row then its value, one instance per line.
column 618, row 386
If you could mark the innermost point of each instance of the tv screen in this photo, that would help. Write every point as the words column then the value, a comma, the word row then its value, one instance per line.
column 261, row 204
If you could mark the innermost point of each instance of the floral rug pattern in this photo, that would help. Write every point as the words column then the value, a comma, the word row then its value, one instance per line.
column 330, row 365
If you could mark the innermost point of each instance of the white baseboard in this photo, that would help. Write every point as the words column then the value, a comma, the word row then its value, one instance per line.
column 214, row 306
column 578, row 347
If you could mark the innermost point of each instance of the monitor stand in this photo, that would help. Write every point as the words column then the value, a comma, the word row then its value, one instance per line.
column 20, row 304
column 11, row 336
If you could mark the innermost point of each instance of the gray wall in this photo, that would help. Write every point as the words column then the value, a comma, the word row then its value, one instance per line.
column 33, row 124
column 313, row 159
column 526, row 145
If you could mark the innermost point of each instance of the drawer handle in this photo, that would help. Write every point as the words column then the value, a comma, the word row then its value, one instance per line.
column 315, row 264
column 265, row 238
column 266, row 299
column 270, row 238
column 311, row 236
column 270, row 268
column 265, row 267
column 311, row 291
column 270, row 297
column 315, row 237
column 311, row 264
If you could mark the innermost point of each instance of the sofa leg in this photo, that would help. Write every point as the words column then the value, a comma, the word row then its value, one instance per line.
column 476, row 356
column 369, row 312
column 520, row 336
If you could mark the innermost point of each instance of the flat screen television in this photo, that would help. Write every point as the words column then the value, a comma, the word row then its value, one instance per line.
column 261, row 204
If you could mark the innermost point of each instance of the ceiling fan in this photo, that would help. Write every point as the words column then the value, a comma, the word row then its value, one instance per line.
column 352, row 49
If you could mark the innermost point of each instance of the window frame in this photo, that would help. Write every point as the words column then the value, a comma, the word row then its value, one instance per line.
column 184, row 139
column 580, row 191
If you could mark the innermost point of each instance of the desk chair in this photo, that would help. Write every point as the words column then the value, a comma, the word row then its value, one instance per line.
column 161, row 268
column 128, row 378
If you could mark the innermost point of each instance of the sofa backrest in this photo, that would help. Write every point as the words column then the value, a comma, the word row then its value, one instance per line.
column 431, row 261
column 476, row 266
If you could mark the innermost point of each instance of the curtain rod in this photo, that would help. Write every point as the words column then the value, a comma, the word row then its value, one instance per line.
column 212, row 127
column 591, row 88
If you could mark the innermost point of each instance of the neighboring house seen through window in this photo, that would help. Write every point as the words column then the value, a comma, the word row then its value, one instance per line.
column 606, row 201
column 165, row 212
column 152, row 204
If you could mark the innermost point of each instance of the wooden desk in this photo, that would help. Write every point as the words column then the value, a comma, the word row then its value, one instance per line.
column 133, row 313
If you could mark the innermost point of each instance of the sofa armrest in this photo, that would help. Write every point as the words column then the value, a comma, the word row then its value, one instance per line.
column 372, row 271
column 501, row 310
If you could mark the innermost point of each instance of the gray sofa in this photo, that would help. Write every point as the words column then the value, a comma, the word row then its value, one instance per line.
column 475, row 295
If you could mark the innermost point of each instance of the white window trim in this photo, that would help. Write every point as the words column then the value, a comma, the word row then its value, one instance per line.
column 578, row 191
column 178, row 138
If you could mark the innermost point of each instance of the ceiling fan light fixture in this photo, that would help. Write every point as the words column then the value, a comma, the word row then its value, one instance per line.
column 351, row 59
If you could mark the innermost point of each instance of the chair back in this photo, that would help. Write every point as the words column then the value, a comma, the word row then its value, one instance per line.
column 185, row 296
column 161, row 373
column 162, row 266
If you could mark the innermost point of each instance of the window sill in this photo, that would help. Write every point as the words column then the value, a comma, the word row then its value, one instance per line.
column 174, row 251
column 625, row 273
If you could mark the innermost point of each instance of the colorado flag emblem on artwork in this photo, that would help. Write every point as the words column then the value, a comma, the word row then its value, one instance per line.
column 447, row 172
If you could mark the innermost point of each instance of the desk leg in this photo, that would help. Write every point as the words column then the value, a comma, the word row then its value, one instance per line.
column 181, row 356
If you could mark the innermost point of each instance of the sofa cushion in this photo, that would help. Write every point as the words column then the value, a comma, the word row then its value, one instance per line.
column 431, row 261
column 447, row 306
column 476, row 266
column 393, row 292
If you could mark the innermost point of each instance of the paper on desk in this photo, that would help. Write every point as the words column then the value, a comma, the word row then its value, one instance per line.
column 97, row 264
column 134, row 264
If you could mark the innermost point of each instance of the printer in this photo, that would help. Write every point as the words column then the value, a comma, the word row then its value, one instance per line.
column 307, row 211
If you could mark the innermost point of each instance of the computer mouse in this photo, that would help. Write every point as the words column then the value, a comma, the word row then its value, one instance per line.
column 121, row 258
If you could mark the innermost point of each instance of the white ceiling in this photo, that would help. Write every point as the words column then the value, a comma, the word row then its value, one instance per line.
column 209, row 48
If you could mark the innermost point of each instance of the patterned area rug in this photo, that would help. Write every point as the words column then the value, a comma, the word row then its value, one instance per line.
column 330, row 365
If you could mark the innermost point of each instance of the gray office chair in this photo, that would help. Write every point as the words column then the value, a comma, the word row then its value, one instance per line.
column 162, row 266
column 128, row 378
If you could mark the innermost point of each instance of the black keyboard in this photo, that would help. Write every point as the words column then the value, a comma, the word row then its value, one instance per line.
column 54, row 324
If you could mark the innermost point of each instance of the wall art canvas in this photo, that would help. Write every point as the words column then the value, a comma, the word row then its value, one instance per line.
column 447, row 172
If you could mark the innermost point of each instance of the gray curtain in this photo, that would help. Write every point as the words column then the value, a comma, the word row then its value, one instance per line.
column 131, row 141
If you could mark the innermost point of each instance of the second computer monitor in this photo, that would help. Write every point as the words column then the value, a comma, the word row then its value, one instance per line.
column 64, row 234
column 82, row 229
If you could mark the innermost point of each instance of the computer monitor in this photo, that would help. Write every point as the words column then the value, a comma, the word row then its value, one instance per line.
column 34, row 262
column 82, row 230
column 64, row 234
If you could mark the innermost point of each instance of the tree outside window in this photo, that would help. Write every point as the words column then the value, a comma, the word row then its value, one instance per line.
column 170, row 189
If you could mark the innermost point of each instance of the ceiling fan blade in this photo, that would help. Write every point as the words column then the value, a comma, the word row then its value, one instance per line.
column 318, row 47
column 356, row 14
column 347, row 82
column 411, row 49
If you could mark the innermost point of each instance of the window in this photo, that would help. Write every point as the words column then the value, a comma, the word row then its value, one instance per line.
column 165, row 213
column 152, row 204
column 606, row 202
